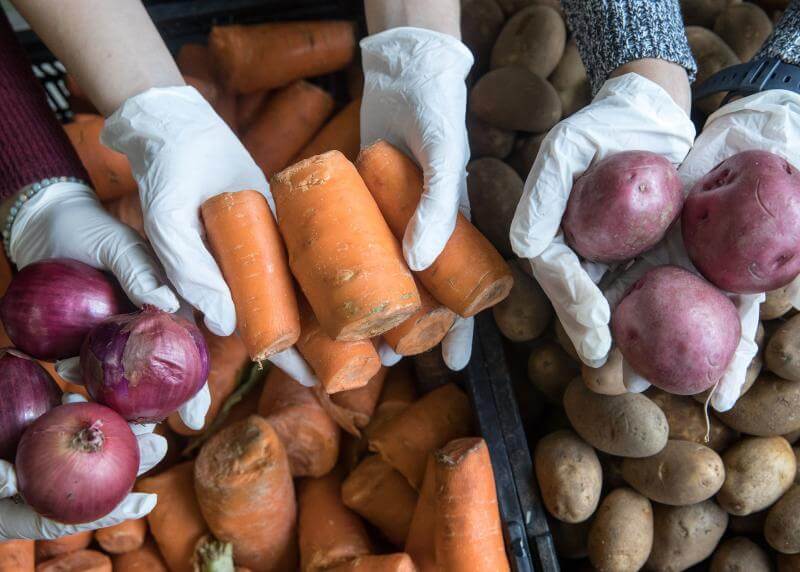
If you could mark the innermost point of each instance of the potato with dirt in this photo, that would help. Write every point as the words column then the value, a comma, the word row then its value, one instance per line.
column 533, row 38
column 687, row 420
column 744, row 27
column 782, row 527
column 685, row 535
column 606, row 379
column 524, row 153
column 494, row 191
column 621, row 534
column 488, row 141
column 571, row 81
column 712, row 54
column 550, row 370
column 782, row 354
column 740, row 554
column 776, row 305
column 526, row 312
column 481, row 22
column 771, row 407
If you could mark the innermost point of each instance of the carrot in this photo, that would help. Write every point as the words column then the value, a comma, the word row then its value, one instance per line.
column 468, row 534
column 378, row 563
column 405, row 441
column 286, row 123
column 343, row 255
column 226, row 108
column 251, row 58
column 341, row 133
column 46, row 549
column 329, row 532
column 80, row 561
column 469, row 275
column 352, row 409
column 245, row 491
column 227, row 357
column 146, row 558
column 246, row 244
column 423, row 330
column 123, row 537
column 382, row 496
column 207, row 88
column 420, row 542
column 16, row 556
column 309, row 436
column 110, row 171
column 248, row 107
column 195, row 60
column 176, row 522
column 128, row 210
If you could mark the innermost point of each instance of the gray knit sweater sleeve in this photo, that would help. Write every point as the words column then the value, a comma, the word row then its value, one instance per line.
column 784, row 43
column 611, row 33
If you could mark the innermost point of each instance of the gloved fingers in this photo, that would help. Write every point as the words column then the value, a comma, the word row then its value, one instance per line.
column 193, row 412
column 8, row 480
column 70, row 370
column 457, row 344
column 72, row 398
column 152, row 449
column 387, row 354
column 142, row 428
column 633, row 382
column 292, row 364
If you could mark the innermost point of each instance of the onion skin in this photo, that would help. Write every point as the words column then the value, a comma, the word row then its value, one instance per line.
column 77, row 462
column 144, row 365
column 51, row 305
column 26, row 393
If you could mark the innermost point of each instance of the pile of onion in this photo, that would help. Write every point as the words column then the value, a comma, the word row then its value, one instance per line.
column 77, row 462
column 51, row 305
column 144, row 365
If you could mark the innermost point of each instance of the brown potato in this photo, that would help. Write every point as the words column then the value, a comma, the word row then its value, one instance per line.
column 607, row 379
column 514, row 98
column 526, row 312
column 687, row 420
column 682, row 473
column 621, row 534
column 564, row 341
column 685, row 535
column 628, row 425
column 571, row 81
column 571, row 540
column 782, row 527
column 481, row 22
column 771, row 407
column 524, row 153
column 782, row 354
column 740, row 554
column 744, row 27
column 575, row 99
column 776, row 305
column 796, row 451
column 758, row 470
column 703, row 12
column 534, row 38
column 511, row 7
column 550, row 370
column 569, row 475
column 488, row 141
column 712, row 54
column 494, row 190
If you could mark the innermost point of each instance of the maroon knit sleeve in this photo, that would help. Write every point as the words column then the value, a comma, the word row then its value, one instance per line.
column 33, row 145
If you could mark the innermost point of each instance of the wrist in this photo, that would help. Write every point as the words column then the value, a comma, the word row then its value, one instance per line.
column 442, row 16
column 671, row 77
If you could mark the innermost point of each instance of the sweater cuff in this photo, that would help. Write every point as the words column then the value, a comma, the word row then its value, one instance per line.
column 33, row 145
column 784, row 43
column 611, row 33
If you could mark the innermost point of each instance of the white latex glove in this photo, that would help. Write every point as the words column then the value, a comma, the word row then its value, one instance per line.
column 629, row 113
column 415, row 97
column 18, row 520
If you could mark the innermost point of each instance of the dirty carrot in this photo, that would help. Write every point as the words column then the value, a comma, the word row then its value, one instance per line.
column 397, row 394
column 248, row 107
column 46, row 549
column 420, row 544
column 244, row 487
column 207, row 89
column 226, row 108
column 287, row 121
column 329, row 532
column 128, row 210
column 341, row 133
column 341, row 251
column 123, row 537
column 352, row 409
column 405, row 441
column 382, row 496
column 80, row 561
column 195, row 60
column 309, row 436
column 251, row 58
column 399, row 562
column 16, row 556
column 469, row 275
column 176, row 522
column 423, row 330
column 109, row 171
column 468, row 534
column 248, row 248
column 146, row 558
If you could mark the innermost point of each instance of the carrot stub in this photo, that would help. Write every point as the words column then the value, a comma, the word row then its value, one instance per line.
column 123, row 537
column 469, row 275
column 248, row 107
column 378, row 563
column 16, row 556
column 195, row 60
column 420, row 543
column 423, row 330
column 309, row 436
column 251, row 58
column 341, row 251
column 468, row 534
column 47, row 549
column 147, row 558
column 248, row 248
column 353, row 409
column 245, row 491
column 341, row 133
column 79, row 561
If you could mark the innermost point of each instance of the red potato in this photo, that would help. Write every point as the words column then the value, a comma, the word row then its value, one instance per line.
column 741, row 223
column 622, row 206
column 676, row 330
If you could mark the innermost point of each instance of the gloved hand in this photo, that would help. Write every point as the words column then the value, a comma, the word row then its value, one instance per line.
column 18, row 520
column 630, row 112
column 415, row 97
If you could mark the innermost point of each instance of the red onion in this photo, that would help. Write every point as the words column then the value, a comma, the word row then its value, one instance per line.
column 144, row 365
column 76, row 463
column 26, row 393
column 51, row 305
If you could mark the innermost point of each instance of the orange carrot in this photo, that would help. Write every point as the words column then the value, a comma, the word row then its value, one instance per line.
column 251, row 58
column 195, row 60
column 123, row 537
column 468, row 533
column 341, row 133
column 309, row 436
column 207, row 89
column 110, row 171
column 246, row 244
column 227, row 357
column 382, row 496
column 423, row 330
column 248, row 107
column 420, row 543
column 147, row 558
column 128, row 210
column 329, row 532
column 176, row 522
column 46, row 549
column 245, row 491
column 405, row 441
column 353, row 409
column 288, row 120
column 16, row 556
column 398, row 393
column 378, row 563
column 226, row 108
column 341, row 251
column 469, row 275
column 80, row 561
